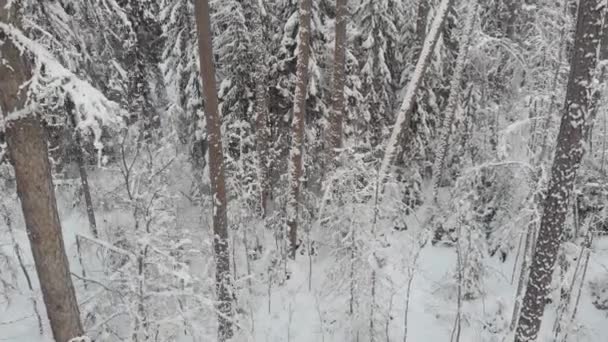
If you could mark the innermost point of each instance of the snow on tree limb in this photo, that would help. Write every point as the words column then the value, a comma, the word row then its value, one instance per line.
column 49, row 76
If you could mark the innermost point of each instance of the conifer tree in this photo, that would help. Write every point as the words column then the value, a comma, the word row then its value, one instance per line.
column 223, row 281
column 27, row 147
column 567, row 159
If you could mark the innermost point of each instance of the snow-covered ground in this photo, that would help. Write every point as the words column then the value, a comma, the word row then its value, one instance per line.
column 304, row 309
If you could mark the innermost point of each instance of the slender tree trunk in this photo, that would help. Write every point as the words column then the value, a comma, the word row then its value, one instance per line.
column 216, row 174
column 453, row 98
column 262, row 129
column 568, row 155
column 84, row 179
column 337, row 117
column 27, row 147
column 407, row 106
column 262, row 136
column 297, row 125
column 421, row 19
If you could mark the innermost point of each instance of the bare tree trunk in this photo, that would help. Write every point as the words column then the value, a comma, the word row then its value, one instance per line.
column 297, row 125
column 84, row 179
column 453, row 98
column 337, row 117
column 216, row 174
column 405, row 111
column 27, row 147
column 568, row 155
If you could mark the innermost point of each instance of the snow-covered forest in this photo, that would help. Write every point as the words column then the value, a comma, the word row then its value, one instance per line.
column 303, row 170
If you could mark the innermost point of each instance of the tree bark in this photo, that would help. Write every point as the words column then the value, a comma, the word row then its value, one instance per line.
column 84, row 179
column 262, row 128
column 297, row 125
column 262, row 133
column 223, row 280
column 27, row 147
column 568, row 155
column 337, row 117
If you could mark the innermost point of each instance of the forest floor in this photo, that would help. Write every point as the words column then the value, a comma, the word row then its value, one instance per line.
column 313, row 304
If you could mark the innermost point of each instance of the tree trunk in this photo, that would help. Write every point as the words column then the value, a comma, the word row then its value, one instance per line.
column 421, row 18
column 84, row 179
column 297, row 125
column 337, row 117
column 262, row 129
column 568, row 155
column 453, row 99
column 262, row 133
column 405, row 111
column 27, row 147
column 216, row 174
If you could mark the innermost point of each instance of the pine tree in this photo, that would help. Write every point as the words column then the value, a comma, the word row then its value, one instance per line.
column 181, row 73
column 28, row 151
column 286, row 21
column 143, row 56
column 298, row 123
column 453, row 99
column 568, row 155
column 337, row 114
column 216, row 173
column 233, row 47
column 377, row 43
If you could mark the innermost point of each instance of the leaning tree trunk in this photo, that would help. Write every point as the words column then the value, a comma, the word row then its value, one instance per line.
column 84, row 179
column 27, row 147
column 337, row 115
column 223, row 282
column 297, row 125
column 453, row 99
column 407, row 106
column 568, row 155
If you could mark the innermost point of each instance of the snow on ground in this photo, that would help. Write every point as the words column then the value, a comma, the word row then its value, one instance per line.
column 295, row 313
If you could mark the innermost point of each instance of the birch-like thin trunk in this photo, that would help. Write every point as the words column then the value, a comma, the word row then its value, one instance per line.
column 337, row 114
column 223, row 281
column 452, row 105
column 568, row 155
column 27, row 146
column 407, row 106
column 84, row 179
column 297, row 125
